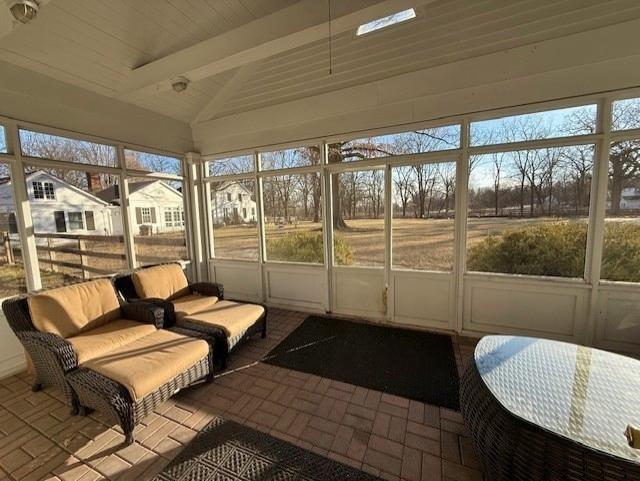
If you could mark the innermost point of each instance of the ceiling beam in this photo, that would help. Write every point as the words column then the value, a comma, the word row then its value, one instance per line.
column 226, row 92
column 292, row 27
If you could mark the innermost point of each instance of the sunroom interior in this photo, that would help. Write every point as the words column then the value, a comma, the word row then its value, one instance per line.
column 457, row 168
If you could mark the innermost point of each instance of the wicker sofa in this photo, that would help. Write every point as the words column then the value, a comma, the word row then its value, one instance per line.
column 198, row 307
column 103, row 355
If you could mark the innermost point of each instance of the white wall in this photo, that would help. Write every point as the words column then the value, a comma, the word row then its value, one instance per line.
column 32, row 97
column 12, row 359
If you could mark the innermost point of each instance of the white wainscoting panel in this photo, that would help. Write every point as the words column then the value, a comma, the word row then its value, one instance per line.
column 618, row 318
column 296, row 285
column 423, row 298
column 241, row 279
column 12, row 358
column 358, row 291
column 526, row 306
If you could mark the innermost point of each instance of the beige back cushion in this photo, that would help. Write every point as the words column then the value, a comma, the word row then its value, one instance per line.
column 164, row 282
column 69, row 310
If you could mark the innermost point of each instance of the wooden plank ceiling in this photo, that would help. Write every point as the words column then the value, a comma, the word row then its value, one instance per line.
column 98, row 44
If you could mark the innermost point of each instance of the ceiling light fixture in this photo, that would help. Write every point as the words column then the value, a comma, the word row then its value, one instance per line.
column 180, row 84
column 24, row 10
column 387, row 21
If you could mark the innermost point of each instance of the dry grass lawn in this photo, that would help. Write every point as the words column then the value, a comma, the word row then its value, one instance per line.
column 417, row 243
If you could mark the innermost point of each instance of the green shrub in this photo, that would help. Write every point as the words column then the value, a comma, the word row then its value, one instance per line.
column 558, row 249
column 553, row 249
column 305, row 246
column 621, row 256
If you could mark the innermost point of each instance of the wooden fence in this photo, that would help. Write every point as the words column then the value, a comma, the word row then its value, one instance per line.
column 77, row 251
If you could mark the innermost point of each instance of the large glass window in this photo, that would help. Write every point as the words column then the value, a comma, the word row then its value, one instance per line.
column 12, row 278
column 626, row 114
column 55, row 147
column 289, row 158
column 234, row 219
column 423, row 216
column 241, row 164
column 156, row 207
column 537, row 125
column 79, row 232
column 528, row 211
column 403, row 143
column 358, row 218
column 621, row 255
column 165, row 164
column 293, row 218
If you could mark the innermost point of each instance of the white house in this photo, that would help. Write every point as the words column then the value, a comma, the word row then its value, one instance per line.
column 156, row 206
column 231, row 203
column 57, row 206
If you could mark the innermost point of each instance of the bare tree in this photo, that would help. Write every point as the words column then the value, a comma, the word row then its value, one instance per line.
column 403, row 179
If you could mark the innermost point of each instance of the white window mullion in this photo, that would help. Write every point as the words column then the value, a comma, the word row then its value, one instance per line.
column 262, row 246
column 460, row 234
column 23, row 211
column 327, row 205
column 125, row 211
column 597, row 213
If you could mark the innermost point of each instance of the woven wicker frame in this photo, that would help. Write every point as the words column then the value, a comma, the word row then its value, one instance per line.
column 512, row 449
column 52, row 355
column 94, row 391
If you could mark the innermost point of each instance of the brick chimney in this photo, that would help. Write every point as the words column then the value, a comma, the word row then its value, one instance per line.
column 93, row 182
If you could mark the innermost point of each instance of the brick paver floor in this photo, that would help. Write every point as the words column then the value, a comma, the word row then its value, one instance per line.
column 389, row 436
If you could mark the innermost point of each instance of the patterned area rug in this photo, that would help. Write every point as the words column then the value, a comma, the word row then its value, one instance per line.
column 228, row 451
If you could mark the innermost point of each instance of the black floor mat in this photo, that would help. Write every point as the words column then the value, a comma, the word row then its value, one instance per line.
column 412, row 364
column 228, row 451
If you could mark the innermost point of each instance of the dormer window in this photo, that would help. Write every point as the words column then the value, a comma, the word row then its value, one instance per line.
column 229, row 196
column 240, row 197
column 43, row 190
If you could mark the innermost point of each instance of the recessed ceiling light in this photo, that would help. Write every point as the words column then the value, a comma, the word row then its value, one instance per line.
column 387, row 21
column 24, row 10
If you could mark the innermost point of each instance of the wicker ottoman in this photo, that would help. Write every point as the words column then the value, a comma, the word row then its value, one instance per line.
column 130, row 382
column 228, row 323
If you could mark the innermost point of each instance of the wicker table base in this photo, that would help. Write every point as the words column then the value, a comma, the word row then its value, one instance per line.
column 513, row 449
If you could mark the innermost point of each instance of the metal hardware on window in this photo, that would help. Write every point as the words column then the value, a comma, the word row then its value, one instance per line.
column 385, row 294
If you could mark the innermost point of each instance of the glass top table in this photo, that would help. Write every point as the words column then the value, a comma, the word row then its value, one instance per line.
column 582, row 394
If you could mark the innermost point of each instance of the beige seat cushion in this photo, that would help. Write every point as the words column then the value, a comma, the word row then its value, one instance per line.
column 142, row 366
column 104, row 339
column 67, row 311
column 164, row 282
column 192, row 304
column 234, row 318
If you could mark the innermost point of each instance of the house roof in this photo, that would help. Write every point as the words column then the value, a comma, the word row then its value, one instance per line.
column 112, row 193
column 32, row 174
column 222, row 185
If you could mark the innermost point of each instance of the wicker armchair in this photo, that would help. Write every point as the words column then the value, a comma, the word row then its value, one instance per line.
column 52, row 355
column 194, row 307
column 125, row 288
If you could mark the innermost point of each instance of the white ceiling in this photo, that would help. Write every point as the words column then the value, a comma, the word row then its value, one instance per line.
column 99, row 44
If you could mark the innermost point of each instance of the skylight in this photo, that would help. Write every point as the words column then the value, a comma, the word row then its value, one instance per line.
column 387, row 21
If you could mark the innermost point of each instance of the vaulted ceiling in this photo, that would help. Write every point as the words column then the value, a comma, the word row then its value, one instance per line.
column 240, row 55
